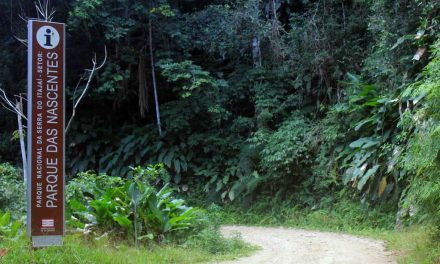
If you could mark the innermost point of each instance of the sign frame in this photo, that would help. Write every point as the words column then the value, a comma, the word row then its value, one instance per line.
column 51, row 230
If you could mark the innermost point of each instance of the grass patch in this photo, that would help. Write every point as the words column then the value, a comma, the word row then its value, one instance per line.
column 345, row 216
column 415, row 244
column 80, row 249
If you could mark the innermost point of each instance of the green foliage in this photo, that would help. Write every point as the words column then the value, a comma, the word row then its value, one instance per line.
column 419, row 242
column 129, row 206
column 12, row 191
column 299, row 97
column 283, row 157
column 321, row 49
column 340, row 212
column 389, row 61
column 91, row 13
column 164, row 9
column 422, row 196
column 111, row 79
column 371, row 161
column 77, row 248
column 187, row 76
column 222, row 31
column 286, row 151
column 295, row 123
column 211, row 239
column 8, row 227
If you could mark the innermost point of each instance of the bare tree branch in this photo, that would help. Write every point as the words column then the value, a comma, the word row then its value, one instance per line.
column 17, row 109
column 43, row 10
column 20, row 97
column 22, row 17
column 7, row 108
column 103, row 62
column 19, row 104
column 22, row 41
column 6, row 103
column 92, row 72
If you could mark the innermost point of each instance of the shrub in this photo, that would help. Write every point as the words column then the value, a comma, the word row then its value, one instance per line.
column 12, row 193
column 133, row 206
column 8, row 227
column 285, row 155
column 210, row 237
column 422, row 197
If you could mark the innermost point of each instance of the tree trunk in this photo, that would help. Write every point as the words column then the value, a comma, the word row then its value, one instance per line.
column 22, row 145
column 153, row 76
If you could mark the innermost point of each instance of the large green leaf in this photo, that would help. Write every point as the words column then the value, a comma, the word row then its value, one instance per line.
column 5, row 218
column 134, row 193
column 123, row 221
column 168, row 158
column 360, row 142
column 177, row 165
column 367, row 176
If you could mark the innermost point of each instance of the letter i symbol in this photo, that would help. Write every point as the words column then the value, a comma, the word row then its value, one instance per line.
column 48, row 37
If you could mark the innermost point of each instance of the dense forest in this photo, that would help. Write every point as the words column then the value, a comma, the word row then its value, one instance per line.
column 267, row 103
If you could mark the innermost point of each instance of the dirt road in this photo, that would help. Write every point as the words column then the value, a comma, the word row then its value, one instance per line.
column 282, row 246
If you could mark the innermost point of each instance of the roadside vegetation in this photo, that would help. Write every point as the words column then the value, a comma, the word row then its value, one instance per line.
column 80, row 249
column 114, row 220
column 98, row 234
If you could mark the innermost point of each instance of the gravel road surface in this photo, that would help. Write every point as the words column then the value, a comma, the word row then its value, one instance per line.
column 284, row 245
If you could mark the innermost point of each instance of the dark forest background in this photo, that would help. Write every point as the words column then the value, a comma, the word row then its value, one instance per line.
column 297, row 101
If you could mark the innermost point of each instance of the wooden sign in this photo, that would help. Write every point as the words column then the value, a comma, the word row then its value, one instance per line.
column 46, row 63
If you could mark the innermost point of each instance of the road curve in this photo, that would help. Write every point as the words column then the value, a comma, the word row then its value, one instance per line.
column 286, row 246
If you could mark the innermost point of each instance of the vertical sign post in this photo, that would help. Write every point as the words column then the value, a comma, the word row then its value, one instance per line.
column 46, row 67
